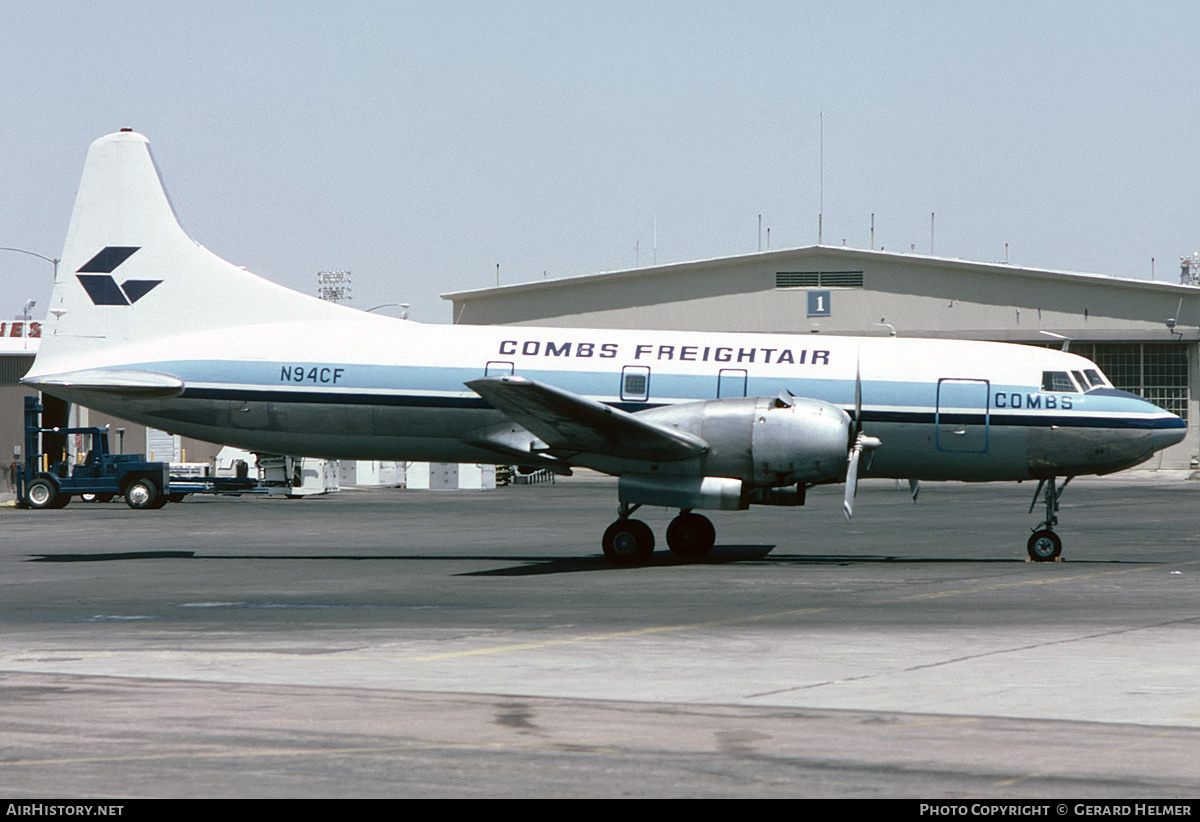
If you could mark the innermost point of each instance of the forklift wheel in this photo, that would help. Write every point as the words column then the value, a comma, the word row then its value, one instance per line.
column 43, row 494
column 143, row 494
column 96, row 497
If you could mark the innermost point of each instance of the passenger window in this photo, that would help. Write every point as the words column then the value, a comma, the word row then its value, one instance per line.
column 635, row 383
column 1058, row 381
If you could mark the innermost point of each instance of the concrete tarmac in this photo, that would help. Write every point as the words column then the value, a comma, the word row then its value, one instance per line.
column 476, row 644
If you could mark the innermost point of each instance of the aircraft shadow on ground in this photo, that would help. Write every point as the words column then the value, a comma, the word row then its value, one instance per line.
column 539, row 565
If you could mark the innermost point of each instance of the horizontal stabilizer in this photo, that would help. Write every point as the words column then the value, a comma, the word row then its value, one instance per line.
column 571, row 424
column 128, row 381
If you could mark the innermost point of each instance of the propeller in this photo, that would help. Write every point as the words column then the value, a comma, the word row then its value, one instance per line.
column 859, row 442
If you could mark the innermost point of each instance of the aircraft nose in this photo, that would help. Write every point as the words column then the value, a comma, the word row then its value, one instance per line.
column 1163, row 428
column 1171, row 435
column 1167, row 429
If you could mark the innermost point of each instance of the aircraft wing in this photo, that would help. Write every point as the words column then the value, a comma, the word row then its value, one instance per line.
column 570, row 424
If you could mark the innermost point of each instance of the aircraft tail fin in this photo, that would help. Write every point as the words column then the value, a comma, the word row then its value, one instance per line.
column 130, row 274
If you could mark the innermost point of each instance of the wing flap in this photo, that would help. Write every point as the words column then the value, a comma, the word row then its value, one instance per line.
column 571, row 424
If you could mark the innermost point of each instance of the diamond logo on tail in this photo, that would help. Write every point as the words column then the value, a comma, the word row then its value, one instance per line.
column 96, row 278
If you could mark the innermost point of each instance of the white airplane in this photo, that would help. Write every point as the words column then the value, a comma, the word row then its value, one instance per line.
column 148, row 325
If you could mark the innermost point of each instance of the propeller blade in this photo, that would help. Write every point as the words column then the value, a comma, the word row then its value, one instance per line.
column 858, row 396
column 855, row 442
column 861, row 443
column 915, row 487
column 852, row 479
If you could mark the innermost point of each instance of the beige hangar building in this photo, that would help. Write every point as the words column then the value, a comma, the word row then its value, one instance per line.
column 1143, row 334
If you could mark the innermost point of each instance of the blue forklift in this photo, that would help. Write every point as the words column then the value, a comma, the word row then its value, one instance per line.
column 48, row 480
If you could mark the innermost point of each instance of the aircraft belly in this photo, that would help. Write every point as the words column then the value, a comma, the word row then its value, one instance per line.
column 911, row 451
column 1065, row 451
column 343, row 431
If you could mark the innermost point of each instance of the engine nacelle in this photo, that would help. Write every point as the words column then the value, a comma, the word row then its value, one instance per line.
column 765, row 442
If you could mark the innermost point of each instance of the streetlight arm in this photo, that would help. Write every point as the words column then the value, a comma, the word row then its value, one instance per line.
column 31, row 254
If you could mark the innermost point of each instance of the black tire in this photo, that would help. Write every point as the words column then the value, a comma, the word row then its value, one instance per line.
column 43, row 495
column 1044, row 546
column 691, row 535
column 628, row 542
column 143, row 495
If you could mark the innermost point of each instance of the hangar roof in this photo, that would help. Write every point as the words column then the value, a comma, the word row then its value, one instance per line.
column 849, row 254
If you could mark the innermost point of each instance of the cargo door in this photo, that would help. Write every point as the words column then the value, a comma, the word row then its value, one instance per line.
column 962, row 417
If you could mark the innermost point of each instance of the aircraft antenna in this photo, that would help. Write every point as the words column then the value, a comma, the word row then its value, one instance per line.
column 821, row 194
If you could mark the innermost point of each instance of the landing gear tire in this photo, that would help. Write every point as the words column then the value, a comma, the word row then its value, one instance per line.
column 144, row 495
column 628, row 542
column 691, row 535
column 43, row 495
column 1044, row 546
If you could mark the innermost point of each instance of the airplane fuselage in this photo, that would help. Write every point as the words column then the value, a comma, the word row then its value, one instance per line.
column 392, row 389
column 150, row 326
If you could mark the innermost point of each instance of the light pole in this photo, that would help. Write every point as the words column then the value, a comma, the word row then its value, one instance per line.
column 50, row 260
column 29, row 304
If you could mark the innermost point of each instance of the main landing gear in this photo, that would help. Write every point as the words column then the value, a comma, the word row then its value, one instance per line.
column 1045, row 545
column 630, row 541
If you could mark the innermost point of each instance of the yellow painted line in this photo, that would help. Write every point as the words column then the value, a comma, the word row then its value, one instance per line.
column 781, row 614
column 661, row 629
column 693, row 626
column 999, row 586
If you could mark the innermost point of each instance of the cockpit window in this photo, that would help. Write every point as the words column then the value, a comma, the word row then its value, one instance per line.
column 1058, row 381
column 1094, row 378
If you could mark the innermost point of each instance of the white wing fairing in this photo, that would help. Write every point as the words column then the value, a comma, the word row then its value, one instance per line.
column 152, row 327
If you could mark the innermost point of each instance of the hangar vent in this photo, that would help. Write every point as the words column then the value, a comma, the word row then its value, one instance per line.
column 818, row 279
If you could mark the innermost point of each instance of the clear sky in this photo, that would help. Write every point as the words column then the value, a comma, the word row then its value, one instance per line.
column 419, row 144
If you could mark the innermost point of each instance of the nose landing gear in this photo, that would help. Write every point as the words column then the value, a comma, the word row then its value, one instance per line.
column 1045, row 545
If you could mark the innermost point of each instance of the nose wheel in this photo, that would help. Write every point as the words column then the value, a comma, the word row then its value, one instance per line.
column 1044, row 545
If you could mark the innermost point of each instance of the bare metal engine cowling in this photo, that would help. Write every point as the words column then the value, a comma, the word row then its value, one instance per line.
column 765, row 442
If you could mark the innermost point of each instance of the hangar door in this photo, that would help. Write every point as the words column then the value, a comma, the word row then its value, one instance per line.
column 962, row 417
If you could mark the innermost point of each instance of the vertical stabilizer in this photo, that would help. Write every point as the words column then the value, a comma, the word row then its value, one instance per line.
column 130, row 274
